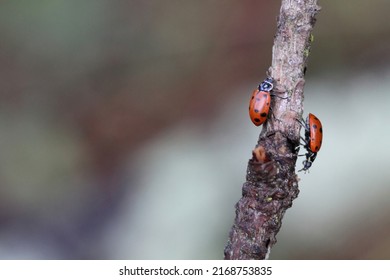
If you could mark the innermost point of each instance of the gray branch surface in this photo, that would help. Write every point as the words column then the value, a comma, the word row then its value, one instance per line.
column 271, row 182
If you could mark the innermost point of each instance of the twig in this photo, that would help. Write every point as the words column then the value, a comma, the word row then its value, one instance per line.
column 271, row 182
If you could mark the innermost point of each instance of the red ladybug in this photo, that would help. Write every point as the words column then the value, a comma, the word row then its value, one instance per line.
column 312, row 141
column 260, row 102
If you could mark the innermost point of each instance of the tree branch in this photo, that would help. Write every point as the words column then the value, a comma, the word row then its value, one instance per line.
column 271, row 182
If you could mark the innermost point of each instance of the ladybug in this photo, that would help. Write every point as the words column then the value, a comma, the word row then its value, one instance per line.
column 260, row 102
column 312, row 140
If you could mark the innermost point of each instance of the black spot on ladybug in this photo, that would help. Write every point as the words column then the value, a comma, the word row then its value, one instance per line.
column 256, row 120
column 320, row 129
column 252, row 97
column 263, row 115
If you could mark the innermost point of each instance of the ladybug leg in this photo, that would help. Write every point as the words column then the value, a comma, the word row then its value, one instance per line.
column 307, row 157
column 273, row 94
column 305, row 144
column 313, row 157
column 280, row 89
column 301, row 122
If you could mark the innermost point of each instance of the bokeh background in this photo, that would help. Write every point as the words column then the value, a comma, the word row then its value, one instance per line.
column 124, row 131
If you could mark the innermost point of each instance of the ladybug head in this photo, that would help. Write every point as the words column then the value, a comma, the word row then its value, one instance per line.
column 306, row 165
column 269, row 80
column 266, row 85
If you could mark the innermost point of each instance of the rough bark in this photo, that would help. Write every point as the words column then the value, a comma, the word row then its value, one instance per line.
column 271, row 182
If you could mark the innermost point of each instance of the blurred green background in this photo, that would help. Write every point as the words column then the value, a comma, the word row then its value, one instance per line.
column 124, row 131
